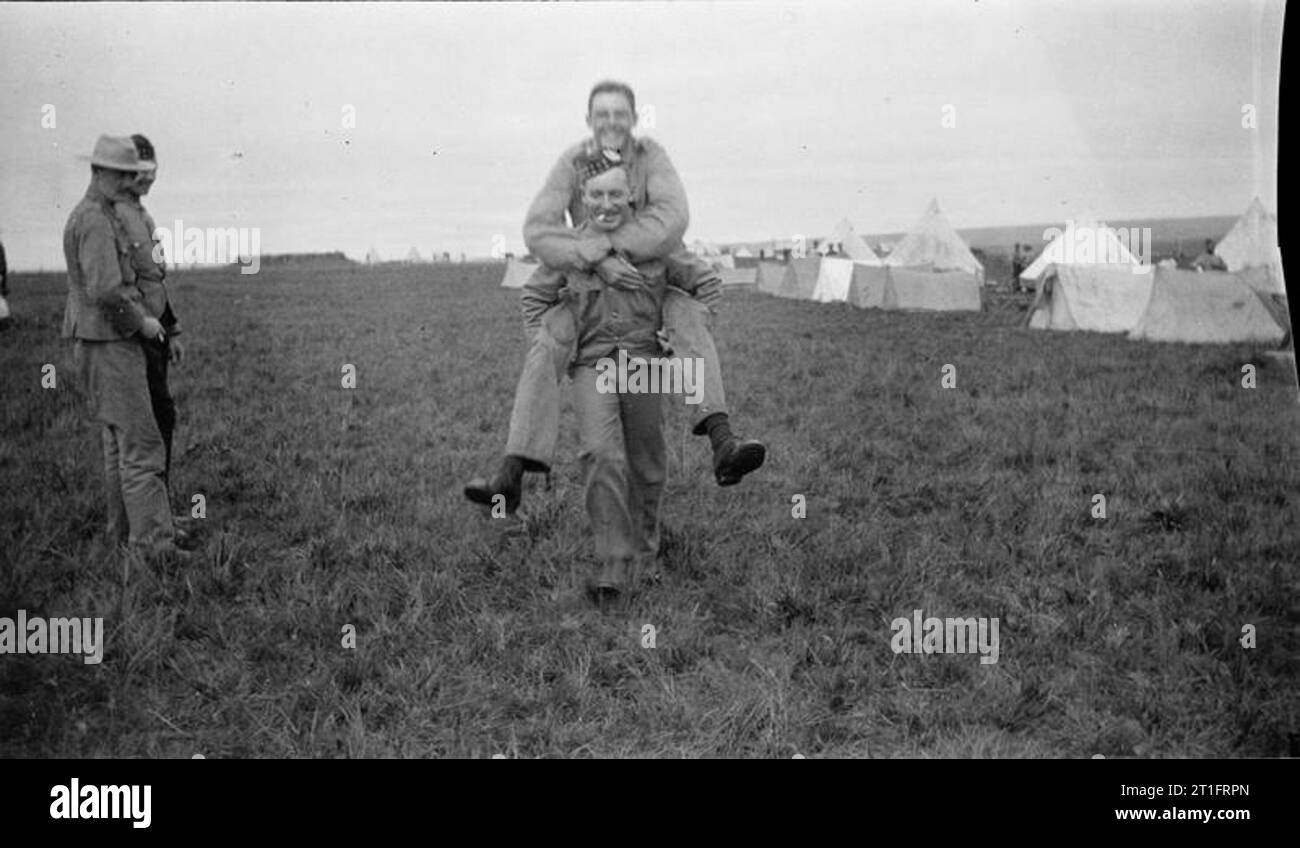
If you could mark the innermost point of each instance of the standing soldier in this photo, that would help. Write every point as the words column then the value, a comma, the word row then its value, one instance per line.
column 105, row 316
column 150, row 267
column 1208, row 260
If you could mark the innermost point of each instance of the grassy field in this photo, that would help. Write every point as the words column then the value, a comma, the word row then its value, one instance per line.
column 329, row 507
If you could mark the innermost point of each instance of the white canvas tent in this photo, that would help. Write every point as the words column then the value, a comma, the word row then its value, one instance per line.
column 882, row 287
column 1252, row 243
column 744, row 253
column 796, row 279
column 1099, row 298
column 1085, row 242
column 414, row 256
column 1205, row 307
column 1264, row 283
column 833, row 279
column 923, row 289
column 517, row 273
column 934, row 243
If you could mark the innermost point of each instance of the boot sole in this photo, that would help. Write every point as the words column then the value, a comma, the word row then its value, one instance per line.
column 748, row 458
column 483, row 495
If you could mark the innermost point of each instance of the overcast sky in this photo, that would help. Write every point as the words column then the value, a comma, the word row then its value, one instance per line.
column 780, row 117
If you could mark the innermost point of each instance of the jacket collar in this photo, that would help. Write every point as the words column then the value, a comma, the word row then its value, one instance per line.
column 96, row 195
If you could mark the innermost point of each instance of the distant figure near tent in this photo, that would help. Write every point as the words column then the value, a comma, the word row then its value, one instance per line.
column 1208, row 261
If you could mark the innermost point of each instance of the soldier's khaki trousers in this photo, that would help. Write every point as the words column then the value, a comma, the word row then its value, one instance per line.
column 114, row 378
column 535, row 419
column 624, row 468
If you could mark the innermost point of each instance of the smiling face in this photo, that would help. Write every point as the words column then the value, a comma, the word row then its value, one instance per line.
column 607, row 198
column 611, row 120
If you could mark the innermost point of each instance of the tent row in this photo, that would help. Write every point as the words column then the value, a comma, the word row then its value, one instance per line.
column 931, row 268
column 1163, row 304
column 1246, row 303
column 932, row 241
column 833, row 280
column 932, row 245
column 1104, row 288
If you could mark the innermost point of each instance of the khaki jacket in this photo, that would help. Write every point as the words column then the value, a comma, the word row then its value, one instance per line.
column 139, row 227
column 609, row 318
column 103, row 303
